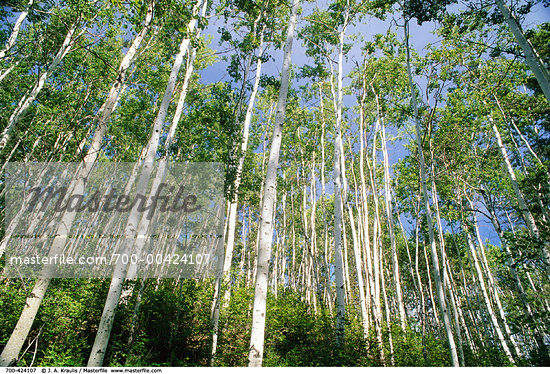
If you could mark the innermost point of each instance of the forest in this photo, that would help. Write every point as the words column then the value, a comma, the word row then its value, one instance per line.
column 385, row 172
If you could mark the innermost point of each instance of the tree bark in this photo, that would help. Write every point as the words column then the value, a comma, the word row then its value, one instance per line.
column 134, row 222
column 486, row 299
column 423, row 177
column 256, row 351
column 224, row 279
column 393, row 242
column 531, row 56
column 25, row 103
column 15, row 31
column 338, row 216
column 525, row 212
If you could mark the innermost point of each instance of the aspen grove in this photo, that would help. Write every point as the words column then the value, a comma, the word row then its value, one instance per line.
column 386, row 169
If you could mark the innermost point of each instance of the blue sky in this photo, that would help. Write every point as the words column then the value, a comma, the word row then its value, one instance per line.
column 421, row 36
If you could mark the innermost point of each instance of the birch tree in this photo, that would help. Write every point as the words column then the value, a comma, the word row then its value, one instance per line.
column 531, row 56
column 255, row 356
column 15, row 31
column 26, row 101
column 425, row 198
column 104, row 329
column 19, row 335
column 232, row 218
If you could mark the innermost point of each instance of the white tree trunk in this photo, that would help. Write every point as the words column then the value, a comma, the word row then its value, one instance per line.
column 13, row 347
column 255, row 356
column 16, row 27
column 338, row 216
column 313, row 235
column 525, row 212
column 7, row 71
column 531, row 56
column 238, row 175
column 493, row 287
column 393, row 242
column 428, row 213
column 527, row 310
column 513, row 123
column 453, row 297
column 485, row 294
column 372, row 280
column 106, row 323
column 127, row 61
column 447, row 279
column 387, row 310
column 232, row 219
column 376, row 252
column 359, row 262
column 26, row 101
column 326, row 283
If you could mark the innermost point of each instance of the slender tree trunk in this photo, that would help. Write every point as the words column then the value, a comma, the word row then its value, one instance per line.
column 133, row 323
column 486, row 299
column 376, row 242
column 420, row 287
column 159, row 178
column 326, row 278
column 117, row 87
column 452, row 300
column 525, row 212
column 8, row 159
column 359, row 263
column 387, row 309
column 345, row 267
column 531, row 56
column 374, row 299
column 5, row 73
column 25, row 103
column 338, row 216
column 428, row 213
column 447, row 278
column 411, row 269
column 313, row 235
column 513, row 123
column 232, row 219
column 256, row 351
column 527, row 310
column 393, row 242
column 13, row 347
column 493, row 287
column 134, row 222
column 15, row 31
